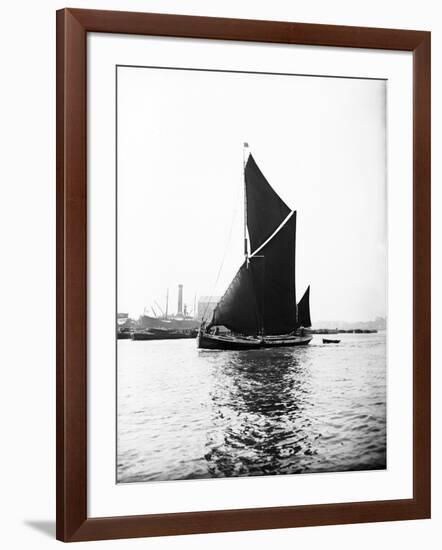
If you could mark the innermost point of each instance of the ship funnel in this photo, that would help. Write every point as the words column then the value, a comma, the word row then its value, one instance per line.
column 180, row 299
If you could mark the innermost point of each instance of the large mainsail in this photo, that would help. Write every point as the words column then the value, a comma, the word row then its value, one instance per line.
column 261, row 298
column 240, row 309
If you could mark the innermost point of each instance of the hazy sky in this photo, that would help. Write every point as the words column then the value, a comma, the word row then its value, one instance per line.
column 320, row 142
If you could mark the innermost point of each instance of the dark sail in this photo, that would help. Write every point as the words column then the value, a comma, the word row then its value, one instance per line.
column 279, row 299
column 261, row 299
column 240, row 309
column 304, row 310
column 265, row 209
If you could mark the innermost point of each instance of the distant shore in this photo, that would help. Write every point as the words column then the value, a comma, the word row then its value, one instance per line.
column 341, row 331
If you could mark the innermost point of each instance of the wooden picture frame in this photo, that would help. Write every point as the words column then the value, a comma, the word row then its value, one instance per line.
column 73, row 523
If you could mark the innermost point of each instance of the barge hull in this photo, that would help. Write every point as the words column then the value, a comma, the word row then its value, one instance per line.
column 210, row 341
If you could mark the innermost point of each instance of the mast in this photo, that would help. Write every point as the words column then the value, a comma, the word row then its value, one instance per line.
column 246, row 146
column 167, row 301
column 260, row 308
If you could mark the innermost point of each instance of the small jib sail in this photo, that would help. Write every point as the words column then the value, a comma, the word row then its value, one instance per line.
column 304, row 310
column 261, row 299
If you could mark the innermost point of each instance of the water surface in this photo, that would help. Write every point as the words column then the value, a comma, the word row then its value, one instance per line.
column 185, row 413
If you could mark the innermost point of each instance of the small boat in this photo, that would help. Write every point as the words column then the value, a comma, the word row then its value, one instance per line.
column 259, row 308
column 329, row 341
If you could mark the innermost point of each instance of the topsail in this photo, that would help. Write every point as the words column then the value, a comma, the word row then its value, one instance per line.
column 261, row 298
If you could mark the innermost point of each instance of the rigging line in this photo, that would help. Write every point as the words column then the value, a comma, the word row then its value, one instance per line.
column 277, row 230
column 222, row 260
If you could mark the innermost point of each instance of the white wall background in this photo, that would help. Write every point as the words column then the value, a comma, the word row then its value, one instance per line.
column 27, row 275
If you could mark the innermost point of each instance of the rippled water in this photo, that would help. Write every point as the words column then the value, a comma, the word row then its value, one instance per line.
column 184, row 413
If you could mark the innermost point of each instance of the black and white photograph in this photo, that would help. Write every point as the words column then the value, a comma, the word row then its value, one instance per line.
column 251, row 245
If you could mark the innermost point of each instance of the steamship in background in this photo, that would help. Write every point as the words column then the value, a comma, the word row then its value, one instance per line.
column 159, row 327
column 259, row 307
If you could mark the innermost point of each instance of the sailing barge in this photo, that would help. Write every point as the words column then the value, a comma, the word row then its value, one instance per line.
column 259, row 307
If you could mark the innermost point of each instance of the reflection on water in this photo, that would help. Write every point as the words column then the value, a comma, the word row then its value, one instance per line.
column 184, row 413
column 259, row 417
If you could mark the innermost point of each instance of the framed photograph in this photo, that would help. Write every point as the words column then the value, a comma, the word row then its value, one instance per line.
column 243, row 274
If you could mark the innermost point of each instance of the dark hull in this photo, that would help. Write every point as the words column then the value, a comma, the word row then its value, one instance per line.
column 124, row 335
column 287, row 341
column 328, row 341
column 211, row 341
column 162, row 336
